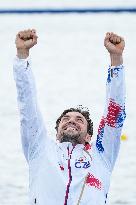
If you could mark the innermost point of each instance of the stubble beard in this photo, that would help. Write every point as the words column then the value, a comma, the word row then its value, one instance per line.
column 73, row 138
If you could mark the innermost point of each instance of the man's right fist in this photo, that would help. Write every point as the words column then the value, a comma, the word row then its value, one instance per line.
column 24, row 41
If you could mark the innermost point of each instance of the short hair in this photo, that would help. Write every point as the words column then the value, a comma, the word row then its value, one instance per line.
column 84, row 111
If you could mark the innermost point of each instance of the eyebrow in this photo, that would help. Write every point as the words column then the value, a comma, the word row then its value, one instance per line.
column 65, row 115
column 79, row 117
column 76, row 116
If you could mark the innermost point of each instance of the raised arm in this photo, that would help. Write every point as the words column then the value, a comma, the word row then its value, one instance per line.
column 32, row 126
column 109, row 131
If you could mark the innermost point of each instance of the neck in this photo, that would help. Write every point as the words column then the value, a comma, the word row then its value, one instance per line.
column 70, row 138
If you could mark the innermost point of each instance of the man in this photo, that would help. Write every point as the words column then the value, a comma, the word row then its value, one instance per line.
column 70, row 171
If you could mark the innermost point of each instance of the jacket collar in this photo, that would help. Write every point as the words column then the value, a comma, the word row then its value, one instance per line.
column 65, row 145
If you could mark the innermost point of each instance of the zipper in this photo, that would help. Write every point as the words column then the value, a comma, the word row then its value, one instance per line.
column 69, row 174
column 85, row 179
column 70, row 177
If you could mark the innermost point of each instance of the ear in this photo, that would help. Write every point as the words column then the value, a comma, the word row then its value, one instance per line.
column 88, row 138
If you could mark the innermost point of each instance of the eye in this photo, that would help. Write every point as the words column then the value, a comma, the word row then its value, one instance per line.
column 80, row 120
column 65, row 119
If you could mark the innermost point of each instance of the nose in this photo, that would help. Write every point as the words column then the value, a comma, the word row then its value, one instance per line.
column 72, row 120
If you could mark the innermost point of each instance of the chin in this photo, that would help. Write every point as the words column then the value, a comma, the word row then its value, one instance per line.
column 70, row 137
column 71, row 133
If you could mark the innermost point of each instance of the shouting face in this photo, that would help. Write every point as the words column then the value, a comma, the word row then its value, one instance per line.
column 73, row 128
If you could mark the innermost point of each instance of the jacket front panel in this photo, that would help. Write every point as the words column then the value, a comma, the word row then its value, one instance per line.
column 55, row 183
column 60, row 173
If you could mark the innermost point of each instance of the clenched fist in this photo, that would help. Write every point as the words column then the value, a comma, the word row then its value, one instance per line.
column 115, row 45
column 24, row 41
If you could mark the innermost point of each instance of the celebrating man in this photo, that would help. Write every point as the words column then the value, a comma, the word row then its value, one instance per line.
column 73, row 170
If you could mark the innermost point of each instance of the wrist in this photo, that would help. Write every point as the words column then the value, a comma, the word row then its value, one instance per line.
column 22, row 53
column 116, row 59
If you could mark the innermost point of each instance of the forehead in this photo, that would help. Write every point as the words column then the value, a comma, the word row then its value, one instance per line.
column 75, row 114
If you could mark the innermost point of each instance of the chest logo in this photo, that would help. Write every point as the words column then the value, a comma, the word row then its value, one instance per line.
column 81, row 163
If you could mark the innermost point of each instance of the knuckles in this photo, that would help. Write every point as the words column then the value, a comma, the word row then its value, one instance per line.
column 27, row 34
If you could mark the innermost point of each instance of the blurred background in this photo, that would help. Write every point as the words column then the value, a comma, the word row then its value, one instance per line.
column 70, row 67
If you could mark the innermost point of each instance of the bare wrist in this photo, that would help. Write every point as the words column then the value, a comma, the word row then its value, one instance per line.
column 22, row 53
column 116, row 59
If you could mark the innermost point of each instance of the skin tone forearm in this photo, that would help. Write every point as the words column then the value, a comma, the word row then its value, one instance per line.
column 116, row 59
column 22, row 53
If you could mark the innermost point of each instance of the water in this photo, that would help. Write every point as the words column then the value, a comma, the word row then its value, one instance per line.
column 66, row 4
column 69, row 64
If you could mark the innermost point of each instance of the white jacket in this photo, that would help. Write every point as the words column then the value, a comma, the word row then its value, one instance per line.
column 61, row 174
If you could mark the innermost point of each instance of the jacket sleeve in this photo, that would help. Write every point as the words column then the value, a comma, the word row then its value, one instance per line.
column 110, row 127
column 33, row 132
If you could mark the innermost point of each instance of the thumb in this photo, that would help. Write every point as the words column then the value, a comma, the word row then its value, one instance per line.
column 29, row 43
column 34, row 36
column 34, row 39
column 107, row 39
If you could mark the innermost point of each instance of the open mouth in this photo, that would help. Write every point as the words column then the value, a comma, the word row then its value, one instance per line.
column 71, row 126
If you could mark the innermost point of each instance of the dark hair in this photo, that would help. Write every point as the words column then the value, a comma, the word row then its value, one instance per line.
column 84, row 111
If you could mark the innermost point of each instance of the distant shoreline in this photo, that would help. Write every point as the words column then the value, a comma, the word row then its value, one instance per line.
column 67, row 10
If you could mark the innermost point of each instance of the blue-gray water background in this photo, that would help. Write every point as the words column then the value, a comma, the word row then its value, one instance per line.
column 70, row 66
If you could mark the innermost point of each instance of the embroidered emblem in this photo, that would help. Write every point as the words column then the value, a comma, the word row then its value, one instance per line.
column 82, row 164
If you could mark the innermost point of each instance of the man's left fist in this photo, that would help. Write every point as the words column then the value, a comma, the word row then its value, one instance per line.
column 114, row 44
